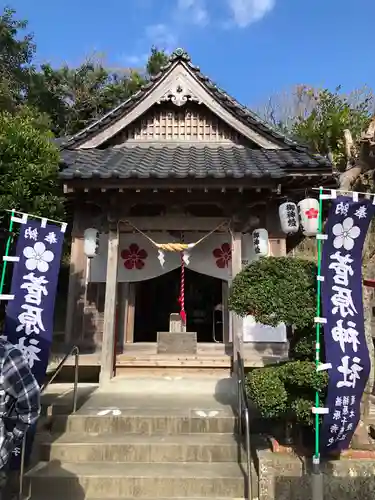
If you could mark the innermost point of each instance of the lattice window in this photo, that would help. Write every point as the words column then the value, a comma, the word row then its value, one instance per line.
column 191, row 123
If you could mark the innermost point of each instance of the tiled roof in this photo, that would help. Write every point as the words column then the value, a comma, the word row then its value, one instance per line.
column 188, row 161
column 225, row 100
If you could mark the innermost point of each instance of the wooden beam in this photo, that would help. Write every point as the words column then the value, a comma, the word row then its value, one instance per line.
column 173, row 183
column 108, row 344
column 173, row 223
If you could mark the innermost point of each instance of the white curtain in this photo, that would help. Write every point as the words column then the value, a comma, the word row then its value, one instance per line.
column 138, row 257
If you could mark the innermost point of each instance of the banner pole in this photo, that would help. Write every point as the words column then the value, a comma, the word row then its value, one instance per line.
column 317, row 478
column 7, row 248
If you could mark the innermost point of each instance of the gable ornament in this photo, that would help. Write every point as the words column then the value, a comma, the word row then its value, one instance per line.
column 179, row 94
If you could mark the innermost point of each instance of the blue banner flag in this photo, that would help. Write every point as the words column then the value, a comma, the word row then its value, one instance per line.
column 344, row 333
column 29, row 316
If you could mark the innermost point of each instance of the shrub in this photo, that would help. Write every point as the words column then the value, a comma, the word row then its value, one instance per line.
column 267, row 391
column 275, row 290
column 303, row 375
column 287, row 391
column 302, row 345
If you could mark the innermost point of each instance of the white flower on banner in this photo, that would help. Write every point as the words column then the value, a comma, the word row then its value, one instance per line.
column 361, row 212
column 345, row 234
column 30, row 351
column 38, row 257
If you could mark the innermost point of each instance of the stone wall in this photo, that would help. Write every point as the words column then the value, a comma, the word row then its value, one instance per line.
column 287, row 477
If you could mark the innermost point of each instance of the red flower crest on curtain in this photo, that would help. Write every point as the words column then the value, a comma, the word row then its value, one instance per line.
column 223, row 255
column 134, row 257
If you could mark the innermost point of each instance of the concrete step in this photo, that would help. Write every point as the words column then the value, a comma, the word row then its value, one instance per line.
column 139, row 448
column 118, row 480
column 148, row 423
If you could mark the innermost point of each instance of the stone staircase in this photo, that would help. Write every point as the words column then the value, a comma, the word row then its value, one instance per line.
column 161, row 449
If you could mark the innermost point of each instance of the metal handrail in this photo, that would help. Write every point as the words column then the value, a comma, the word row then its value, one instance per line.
column 73, row 351
column 243, row 410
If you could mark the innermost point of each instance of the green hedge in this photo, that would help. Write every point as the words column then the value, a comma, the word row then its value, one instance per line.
column 286, row 391
column 276, row 290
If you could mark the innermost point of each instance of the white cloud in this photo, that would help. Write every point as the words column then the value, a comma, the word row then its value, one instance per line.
column 187, row 16
column 246, row 12
column 192, row 11
column 136, row 60
column 161, row 35
column 166, row 34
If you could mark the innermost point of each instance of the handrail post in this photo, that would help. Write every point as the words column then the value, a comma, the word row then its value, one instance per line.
column 239, row 395
column 75, row 388
column 248, row 456
column 22, row 467
column 243, row 410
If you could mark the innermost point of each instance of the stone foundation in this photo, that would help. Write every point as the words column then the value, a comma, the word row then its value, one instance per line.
column 177, row 343
column 287, row 477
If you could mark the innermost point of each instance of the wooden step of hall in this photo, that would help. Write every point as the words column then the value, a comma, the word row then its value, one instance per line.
column 209, row 357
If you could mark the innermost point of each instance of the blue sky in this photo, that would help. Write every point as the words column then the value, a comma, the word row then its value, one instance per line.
column 252, row 48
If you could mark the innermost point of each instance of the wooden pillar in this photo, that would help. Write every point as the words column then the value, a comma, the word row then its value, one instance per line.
column 235, row 320
column 130, row 316
column 123, row 312
column 277, row 247
column 108, row 345
column 76, row 289
column 225, row 294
